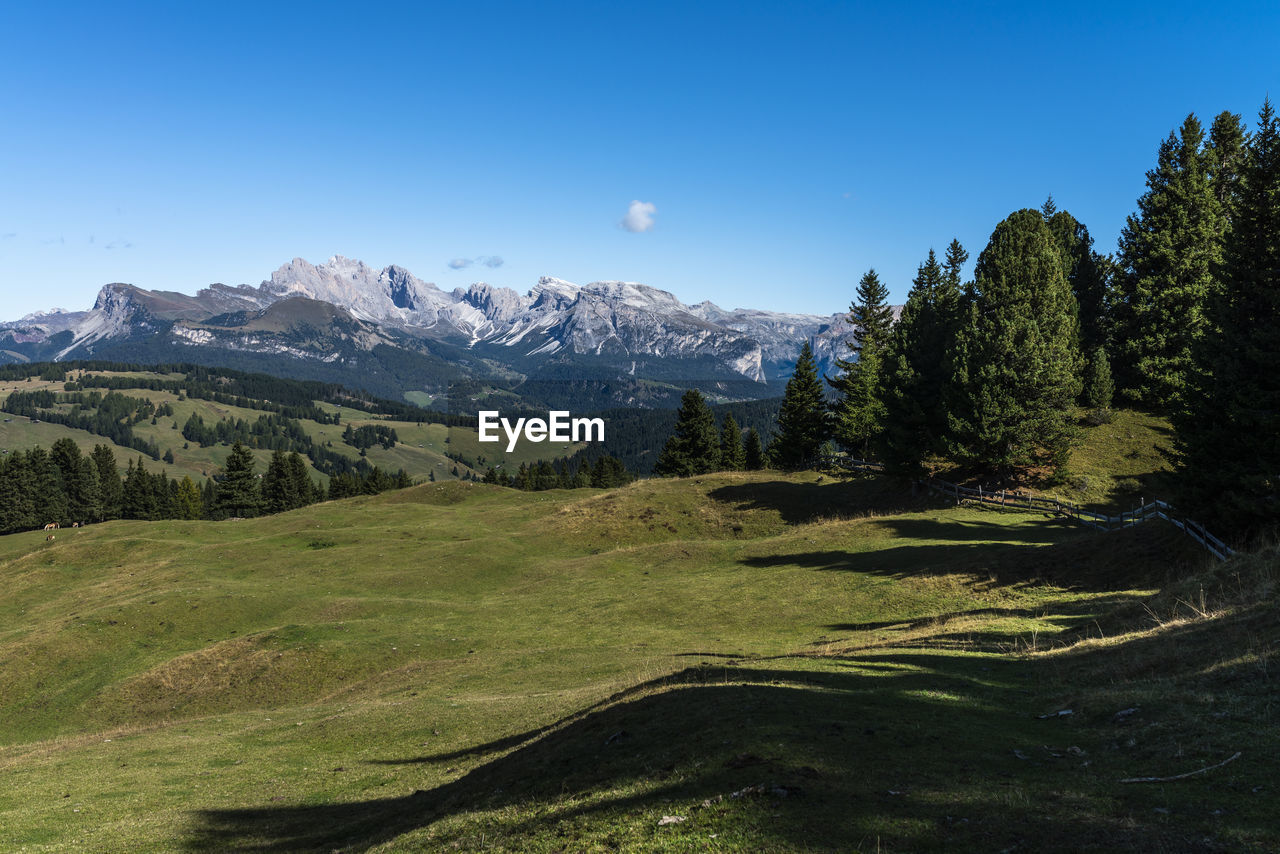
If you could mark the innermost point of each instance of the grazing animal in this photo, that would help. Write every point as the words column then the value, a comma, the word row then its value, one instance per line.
column 50, row 538
column 75, row 524
column 51, row 526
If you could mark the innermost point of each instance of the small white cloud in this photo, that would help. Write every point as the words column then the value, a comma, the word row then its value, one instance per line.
column 639, row 217
column 459, row 263
column 8, row 235
column 119, row 244
column 493, row 262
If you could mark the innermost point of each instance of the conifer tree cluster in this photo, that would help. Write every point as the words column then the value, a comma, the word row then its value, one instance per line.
column 1184, row 320
column 697, row 447
column 605, row 472
column 65, row 486
column 1169, row 259
column 1228, row 425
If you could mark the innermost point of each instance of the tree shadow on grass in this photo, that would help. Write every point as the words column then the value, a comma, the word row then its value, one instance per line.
column 1057, row 552
column 800, row 503
column 916, row 751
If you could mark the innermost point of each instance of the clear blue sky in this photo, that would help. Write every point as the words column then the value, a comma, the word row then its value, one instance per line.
column 785, row 147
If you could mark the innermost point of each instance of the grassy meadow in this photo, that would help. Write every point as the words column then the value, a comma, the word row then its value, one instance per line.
column 737, row 662
column 421, row 451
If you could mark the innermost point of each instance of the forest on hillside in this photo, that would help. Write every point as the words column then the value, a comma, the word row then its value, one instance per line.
column 994, row 375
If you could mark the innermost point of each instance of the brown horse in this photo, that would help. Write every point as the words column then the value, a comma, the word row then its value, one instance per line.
column 52, row 526
column 50, row 538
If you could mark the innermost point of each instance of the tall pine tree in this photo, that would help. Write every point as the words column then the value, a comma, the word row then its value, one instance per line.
column 752, row 451
column 1227, row 151
column 1087, row 273
column 857, row 412
column 110, row 487
column 870, row 314
column 694, row 447
column 1228, row 431
column 732, row 455
column 803, row 421
column 915, row 374
column 238, row 493
column 1016, row 362
column 1169, row 253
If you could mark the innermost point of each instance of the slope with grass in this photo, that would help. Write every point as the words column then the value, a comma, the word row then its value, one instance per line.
column 785, row 663
column 425, row 450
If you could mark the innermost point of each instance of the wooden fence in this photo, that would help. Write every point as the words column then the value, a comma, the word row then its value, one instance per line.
column 1022, row 501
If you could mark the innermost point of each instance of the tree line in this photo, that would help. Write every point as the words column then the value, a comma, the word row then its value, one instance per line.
column 605, row 472
column 991, row 373
column 248, row 390
column 66, row 486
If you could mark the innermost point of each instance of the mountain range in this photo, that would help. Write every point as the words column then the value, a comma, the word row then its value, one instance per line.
column 618, row 343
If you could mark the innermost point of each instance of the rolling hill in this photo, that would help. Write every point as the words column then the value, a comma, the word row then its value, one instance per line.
column 734, row 662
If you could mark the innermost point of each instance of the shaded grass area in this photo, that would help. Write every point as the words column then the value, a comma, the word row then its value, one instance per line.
column 800, row 665
column 1113, row 467
column 1119, row 464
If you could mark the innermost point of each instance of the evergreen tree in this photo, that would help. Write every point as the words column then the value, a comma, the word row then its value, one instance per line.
column 345, row 485
column 803, row 420
column 1087, row 274
column 1228, row 432
column 870, row 314
column 238, row 493
column 1226, row 155
column 1169, row 252
column 857, row 411
column 857, row 416
column 79, row 479
column 138, row 499
column 949, row 292
column 48, row 491
column 694, row 446
column 110, row 487
column 609, row 472
column 1016, row 361
column 1098, row 387
column 279, row 491
column 190, row 504
column 166, row 492
column 209, row 499
column 914, row 373
column 752, row 451
column 17, row 495
column 542, row 476
column 307, row 490
column 732, row 456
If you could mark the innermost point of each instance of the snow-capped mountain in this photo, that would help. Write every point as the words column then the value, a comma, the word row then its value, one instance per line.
column 344, row 312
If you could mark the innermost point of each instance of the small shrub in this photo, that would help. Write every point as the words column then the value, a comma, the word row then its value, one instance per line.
column 1128, row 485
column 1098, row 417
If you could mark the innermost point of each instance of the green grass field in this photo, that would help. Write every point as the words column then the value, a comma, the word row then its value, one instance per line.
column 757, row 662
column 421, row 452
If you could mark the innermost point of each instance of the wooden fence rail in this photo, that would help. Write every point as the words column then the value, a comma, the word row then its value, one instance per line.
column 1100, row 521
